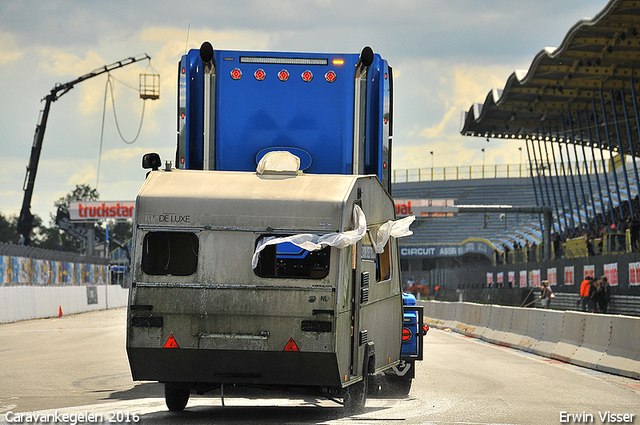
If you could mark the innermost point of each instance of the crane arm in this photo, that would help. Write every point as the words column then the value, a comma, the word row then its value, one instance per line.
column 25, row 221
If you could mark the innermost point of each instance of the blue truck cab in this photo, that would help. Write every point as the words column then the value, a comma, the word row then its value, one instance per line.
column 333, row 111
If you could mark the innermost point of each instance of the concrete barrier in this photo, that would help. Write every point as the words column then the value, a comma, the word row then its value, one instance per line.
column 572, row 336
column 602, row 342
column 35, row 302
column 517, row 335
column 452, row 315
column 596, row 339
column 550, row 323
column 466, row 323
column 623, row 355
column 499, row 323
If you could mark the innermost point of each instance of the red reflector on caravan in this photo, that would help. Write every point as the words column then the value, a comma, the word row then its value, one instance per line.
column 291, row 345
column 171, row 343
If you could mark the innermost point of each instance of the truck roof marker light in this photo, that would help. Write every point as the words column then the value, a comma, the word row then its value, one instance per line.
column 236, row 74
column 291, row 345
column 330, row 76
column 260, row 74
column 283, row 75
column 171, row 343
column 307, row 76
column 406, row 334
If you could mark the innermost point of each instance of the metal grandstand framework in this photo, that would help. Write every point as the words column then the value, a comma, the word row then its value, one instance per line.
column 582, row 94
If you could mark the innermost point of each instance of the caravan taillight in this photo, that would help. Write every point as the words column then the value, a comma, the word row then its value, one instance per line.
column 236, row 74
column 330, row 76
column 283, row 75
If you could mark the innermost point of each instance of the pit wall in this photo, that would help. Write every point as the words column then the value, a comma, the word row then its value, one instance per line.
column 607, row 343
column 35, row 302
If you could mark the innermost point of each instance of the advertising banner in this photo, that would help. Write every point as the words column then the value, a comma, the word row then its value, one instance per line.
column 611, row 273
column 569, row 275
column 101, row 210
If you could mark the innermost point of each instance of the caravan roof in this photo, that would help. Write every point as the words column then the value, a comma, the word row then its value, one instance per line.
column 244, row 200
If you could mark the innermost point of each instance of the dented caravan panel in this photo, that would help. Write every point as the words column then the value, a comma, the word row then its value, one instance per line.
column 232, row 325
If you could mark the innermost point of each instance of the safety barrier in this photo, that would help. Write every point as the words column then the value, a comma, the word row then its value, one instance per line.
column 34, row 302
column 602, row 342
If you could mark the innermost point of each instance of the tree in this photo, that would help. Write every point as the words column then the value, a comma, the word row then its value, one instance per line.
column 82, row 192
column 58, row 239
column 9, row 229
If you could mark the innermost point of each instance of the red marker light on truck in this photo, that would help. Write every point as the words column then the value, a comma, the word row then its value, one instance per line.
column 307, row 76
column 236, row 74
column 330, row 76
column 260, row 74
column 283, row 75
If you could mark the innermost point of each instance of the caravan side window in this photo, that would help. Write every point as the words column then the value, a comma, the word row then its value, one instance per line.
column 286, row 260
column 383, row 264
column 170, row 253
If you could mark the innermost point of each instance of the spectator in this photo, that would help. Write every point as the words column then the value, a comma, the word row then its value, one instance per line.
column 603, row 294
column 546, row 295
column 584, row 293
column 592, row 295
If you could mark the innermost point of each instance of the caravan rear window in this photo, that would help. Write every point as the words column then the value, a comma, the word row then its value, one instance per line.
column 170, row 253
column 286, row 260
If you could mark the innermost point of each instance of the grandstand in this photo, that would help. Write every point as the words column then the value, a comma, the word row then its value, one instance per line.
column 577, row 110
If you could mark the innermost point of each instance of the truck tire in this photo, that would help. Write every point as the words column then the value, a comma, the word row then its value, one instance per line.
column 397, row 386
column 355, row 397
column 176, row 398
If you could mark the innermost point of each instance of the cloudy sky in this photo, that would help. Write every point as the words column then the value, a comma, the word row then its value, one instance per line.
column 446, row 55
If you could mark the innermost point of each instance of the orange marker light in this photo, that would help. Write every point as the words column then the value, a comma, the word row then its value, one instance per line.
column 338, row 61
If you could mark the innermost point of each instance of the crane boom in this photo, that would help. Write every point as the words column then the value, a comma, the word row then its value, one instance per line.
column 25, row 221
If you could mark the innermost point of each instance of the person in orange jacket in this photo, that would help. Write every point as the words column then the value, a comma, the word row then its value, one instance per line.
column 584, row 293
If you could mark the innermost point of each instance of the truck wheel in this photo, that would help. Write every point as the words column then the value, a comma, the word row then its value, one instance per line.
column 397, row 386
column 176, row 398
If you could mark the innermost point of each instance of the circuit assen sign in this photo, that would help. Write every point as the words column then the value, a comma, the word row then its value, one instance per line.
column 101, row 210
column 444, row 250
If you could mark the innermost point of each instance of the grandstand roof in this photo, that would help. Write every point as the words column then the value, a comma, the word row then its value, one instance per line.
column 594, row 65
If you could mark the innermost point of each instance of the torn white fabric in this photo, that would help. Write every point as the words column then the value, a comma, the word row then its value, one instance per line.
column 313, row 242
column 278, row 161
column 392, row 228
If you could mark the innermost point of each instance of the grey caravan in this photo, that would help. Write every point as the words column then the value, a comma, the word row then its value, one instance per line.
column 276, row 280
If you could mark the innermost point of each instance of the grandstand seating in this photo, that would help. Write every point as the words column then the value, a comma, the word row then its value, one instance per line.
column 506, row 229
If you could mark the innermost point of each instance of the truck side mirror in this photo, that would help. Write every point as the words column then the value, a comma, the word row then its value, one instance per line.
column 151, row 160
